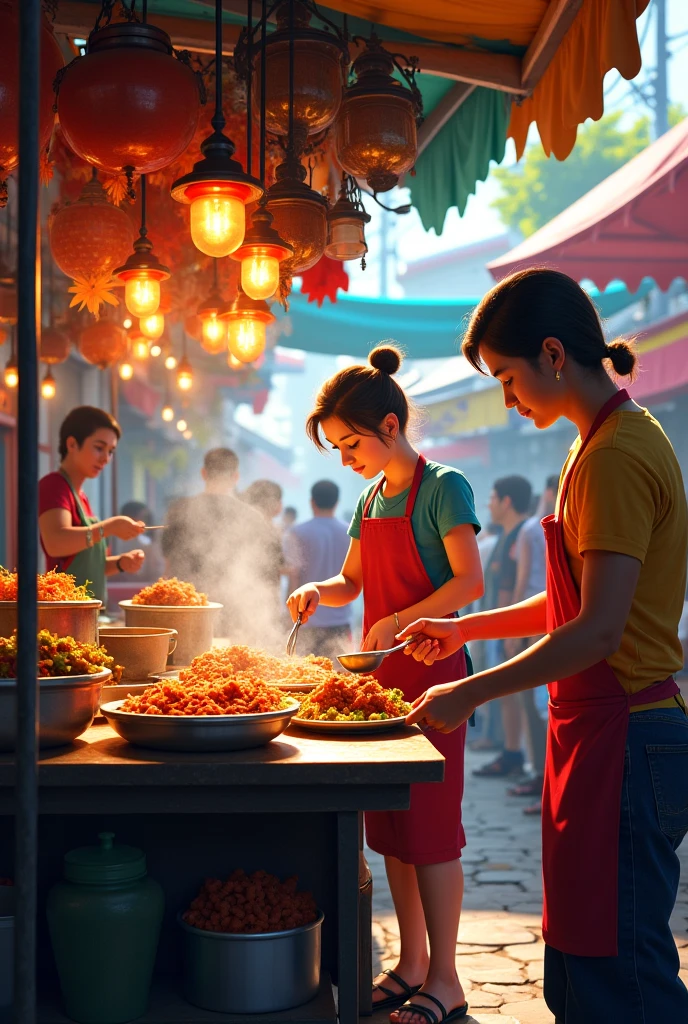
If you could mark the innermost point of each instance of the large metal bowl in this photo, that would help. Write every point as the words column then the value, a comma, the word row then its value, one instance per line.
column 68, row 705
column 262, row 973
column 198, row 733
column 66, row 618
column 194, row 624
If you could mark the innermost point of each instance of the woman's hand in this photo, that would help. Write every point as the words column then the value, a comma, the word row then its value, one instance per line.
column 381, row 636
column 123, row 527
column 132, row 561
column 303, row 601
column 443, row 708
column 435, row 639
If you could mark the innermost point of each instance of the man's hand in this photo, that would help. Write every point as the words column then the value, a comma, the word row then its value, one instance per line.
column 304, row 602
column 435, row 639
column 381, row 636
column 443, row 708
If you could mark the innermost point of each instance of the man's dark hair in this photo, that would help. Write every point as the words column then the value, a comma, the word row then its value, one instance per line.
column 518, row 489
column 220, row 462
column 137, row 510
column 552, row 483
column 261, row 493
column 83, row 421
column 325, row 495
column 290, row 511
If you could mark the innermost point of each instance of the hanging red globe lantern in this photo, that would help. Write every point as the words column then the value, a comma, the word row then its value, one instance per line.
column 51, row 62
column 103, row 343
column 90, row 237
column 129, row 103
column 55, row 346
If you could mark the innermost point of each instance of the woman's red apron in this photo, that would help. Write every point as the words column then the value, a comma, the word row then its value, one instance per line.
column 581, row 800
column 394, row 578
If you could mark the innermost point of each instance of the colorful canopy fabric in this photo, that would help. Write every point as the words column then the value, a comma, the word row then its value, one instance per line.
column 632, row 225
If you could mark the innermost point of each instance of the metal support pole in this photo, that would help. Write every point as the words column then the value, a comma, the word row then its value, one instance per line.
column 26, row 792
column 661, row 118
column 114, row 409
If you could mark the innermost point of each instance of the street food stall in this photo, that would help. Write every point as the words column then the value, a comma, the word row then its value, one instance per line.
column 229, row 144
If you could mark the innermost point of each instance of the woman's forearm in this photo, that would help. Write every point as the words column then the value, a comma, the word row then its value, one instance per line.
column 456, row 593
column 111, row 566
column 338, row 590
column 70, row 540
column 529, row 618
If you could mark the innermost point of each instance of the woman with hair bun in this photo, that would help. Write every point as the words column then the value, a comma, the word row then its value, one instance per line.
column 615, row 800
column 414, row 553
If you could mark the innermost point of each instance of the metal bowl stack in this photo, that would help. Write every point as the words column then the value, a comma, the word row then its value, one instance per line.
column 194, row 624
column 68, row 705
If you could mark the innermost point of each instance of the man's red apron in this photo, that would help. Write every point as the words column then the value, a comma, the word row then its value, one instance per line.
column 394, row 578
column 581, row 800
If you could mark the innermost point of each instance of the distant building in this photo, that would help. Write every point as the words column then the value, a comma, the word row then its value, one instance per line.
column 456, row 272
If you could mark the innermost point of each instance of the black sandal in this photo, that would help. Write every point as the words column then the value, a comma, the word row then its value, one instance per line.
column 431, row 1017
column 394, row 999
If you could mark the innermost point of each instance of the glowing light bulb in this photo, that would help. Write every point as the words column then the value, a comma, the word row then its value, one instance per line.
column 171, row 362
column 246, row 338
column 126, row 370
column 260, row 276
column 213, row 334
column 218, row 224
column 140, row 348
column 188, row 434
column 185, row 375
column 234, row 363
column 11, row 375
column 152, row 326
column 126, row 324
column 181, row 426
column 155, row 351
column 167, row 412
column 142, row 294
column 48, row 385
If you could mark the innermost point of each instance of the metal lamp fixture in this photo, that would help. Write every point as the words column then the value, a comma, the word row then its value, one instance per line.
column 213, row 330
column 143, row 271
column 218, row 188
column 376, row 132
column 346, row 223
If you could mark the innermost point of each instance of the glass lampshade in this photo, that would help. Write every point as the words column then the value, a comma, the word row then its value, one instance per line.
column 184, row 375
column 260, row 275
column 48, row 386
column 152, row 326
column 218, row 223
column 346, row 239
column 213, row 334
column 126, row 370
column 167, row 413
column 246, row 338
column 142, row 294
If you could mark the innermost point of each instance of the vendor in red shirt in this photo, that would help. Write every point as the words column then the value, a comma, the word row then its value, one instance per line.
column 73, row 539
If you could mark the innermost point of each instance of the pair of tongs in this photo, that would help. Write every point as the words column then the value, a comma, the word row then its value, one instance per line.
column 291, row 642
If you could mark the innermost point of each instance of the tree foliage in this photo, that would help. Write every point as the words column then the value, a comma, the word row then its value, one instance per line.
column 538, row 188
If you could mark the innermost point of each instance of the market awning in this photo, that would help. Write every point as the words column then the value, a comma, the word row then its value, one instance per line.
column 663, row 359
column 630, row 226
column 425, row 328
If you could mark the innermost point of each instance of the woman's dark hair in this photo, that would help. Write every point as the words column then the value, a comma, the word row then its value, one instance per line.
column 83, row 421
column 516, row 316
column 361, row 397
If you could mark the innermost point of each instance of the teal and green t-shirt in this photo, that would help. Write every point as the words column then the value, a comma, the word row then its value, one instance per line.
column 445, row 500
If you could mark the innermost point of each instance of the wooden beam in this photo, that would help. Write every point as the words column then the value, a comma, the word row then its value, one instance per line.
column 500, row 71
column 77, row 19
column 445, row 109
column 558, row 19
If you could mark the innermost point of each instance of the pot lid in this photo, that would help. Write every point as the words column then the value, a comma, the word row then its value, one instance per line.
column 104, row 864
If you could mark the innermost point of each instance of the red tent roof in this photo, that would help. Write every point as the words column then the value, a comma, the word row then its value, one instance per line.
column 632, row 225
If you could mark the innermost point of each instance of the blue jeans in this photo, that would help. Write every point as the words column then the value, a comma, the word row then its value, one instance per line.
column 641, row 984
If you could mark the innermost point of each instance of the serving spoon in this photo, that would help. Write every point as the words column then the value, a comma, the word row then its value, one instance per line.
column 369, row 661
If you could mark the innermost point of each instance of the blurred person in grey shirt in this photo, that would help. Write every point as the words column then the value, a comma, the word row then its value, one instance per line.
column 315, row 550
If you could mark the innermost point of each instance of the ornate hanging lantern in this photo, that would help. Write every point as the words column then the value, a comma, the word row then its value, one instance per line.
column 90, row 237
column 346, row 223
column 320, row 62
column 51, row 62
column 300, row 216
column 8, row 295
column 213, row 330
column 103, row 343
column 143, row 271
column 55, row 346
column 261, row 254
column 376, row 134
column 218, row 188
column 129, row 104
column 248, row 319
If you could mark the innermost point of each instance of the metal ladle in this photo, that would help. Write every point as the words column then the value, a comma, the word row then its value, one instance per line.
column 368, row 661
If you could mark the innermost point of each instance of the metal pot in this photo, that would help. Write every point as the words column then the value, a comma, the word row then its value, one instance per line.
column 68, row 705
column 194, row 625
column 262, row 973
column 66, row 618
column 141, row 650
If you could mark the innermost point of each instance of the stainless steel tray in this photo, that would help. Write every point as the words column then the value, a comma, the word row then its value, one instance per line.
column 198, row 733
column 379, row 725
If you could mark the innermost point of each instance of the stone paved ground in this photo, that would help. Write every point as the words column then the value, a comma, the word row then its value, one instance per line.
column 499, row 954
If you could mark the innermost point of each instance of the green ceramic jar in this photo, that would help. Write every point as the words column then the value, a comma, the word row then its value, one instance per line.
column 104, row 921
